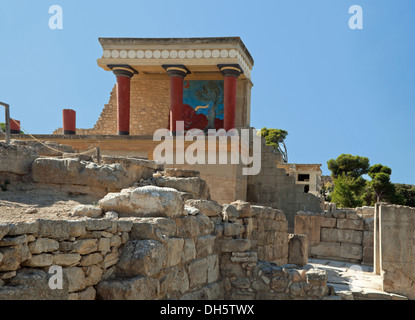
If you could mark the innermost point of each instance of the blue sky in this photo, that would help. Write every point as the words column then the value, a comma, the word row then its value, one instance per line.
column 335, row 90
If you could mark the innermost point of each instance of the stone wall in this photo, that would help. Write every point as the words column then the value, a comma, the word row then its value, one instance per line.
column 160, row 238
column 395, row 233
column 199, row 250
column 273, row 187
column 343, row 234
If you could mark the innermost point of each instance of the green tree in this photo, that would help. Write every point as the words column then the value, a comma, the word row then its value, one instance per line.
column 380, row 188
column 404, row 194
column 347, row 191
column 276, row 137
column 347, row 171
column 351, row 166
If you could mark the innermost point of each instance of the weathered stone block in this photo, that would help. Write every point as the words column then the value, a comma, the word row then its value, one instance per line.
column 328, row 222
column 16, row 159
column 43, row 245
column 232, row 229
column 244, row 208
column 198, row 271
column 174, row 248
column 208, row 207
column 66, row 259
column 351, row 251
column 144, row 201
column 234, row 245
column 352, row 224
column 141, row 257
column 90, row 211
column 85, row 246
column 205, row 245
column 298, row 249
column 341, row 235
column 39, row 260
column 325, row 249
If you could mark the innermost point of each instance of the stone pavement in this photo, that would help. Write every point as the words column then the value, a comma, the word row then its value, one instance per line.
column 353, row 282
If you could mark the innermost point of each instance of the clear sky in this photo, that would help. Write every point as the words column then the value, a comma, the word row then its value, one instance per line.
column 334, row 89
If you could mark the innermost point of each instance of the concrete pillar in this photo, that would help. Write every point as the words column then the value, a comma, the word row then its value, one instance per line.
column 177, row 73
column 69, row 121
column 14, row 126
column 124, row 73
column 230, row 75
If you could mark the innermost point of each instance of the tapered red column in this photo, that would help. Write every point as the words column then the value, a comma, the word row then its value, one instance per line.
column 69, row 121
column 14, row 126
column 230, row 76
column 124, row 74
column 177, row 74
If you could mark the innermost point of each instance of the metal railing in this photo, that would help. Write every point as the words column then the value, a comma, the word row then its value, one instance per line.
column 6, row 106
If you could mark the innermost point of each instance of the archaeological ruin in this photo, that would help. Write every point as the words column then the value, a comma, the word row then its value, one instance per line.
column 90, row 214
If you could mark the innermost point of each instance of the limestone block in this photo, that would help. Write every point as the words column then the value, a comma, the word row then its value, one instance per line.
column 188, row 226
column 75, row 278
column 193, row 185
column 138, row 288
column 241, row 257
column 61, row 229
column 93, row 275
column 136, row 169
column 144, row 201
column 91, row 259
column 368, row 255
column 174, row 247
column 341, row 235
column 141, row 257
column 189, row 250
column 13, row 256
column 208, row 207
column 71, row 171
column 153, row 228
column 298, row 249
column 234, row 245
column 309, row 225
column 198, row 272
column 328, row 222
column 351, row 251
column 205, row 245
column 316, row 277
column 213, row 272
column 232, row 229
column 110, row 258
column 43, row 245
column 325, row 249
column 20, row 228
column 16, row 159
column 181, row 173
column 13, row 241
column 352, row 224
column 85, row 246
column 244, row 208
column 83, row 210
column 229, row 213
column 175, row 282
column 39, row 260
column 87, row 294
column 66, row 259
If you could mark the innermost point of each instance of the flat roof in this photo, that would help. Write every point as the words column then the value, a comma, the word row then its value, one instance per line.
column 177, row 41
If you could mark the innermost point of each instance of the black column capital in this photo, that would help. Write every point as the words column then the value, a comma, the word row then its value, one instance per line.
column 234, row 70
column 176, row 70
column 122, row 70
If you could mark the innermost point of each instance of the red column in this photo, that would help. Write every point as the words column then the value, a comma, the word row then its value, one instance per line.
column 124, row 74
column 177, row 74
column 230, row 75
column 69, row 121
column 14, row 126
column 123, row 105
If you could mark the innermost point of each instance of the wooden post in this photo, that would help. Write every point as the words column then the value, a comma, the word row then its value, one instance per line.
column 98, row 155
column 6, row 106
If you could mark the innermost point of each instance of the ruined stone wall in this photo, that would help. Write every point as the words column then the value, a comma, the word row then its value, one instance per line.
column 149, row 109
column 161, row 238
column 272, row 187
column 343, row 234
column 395, row 233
